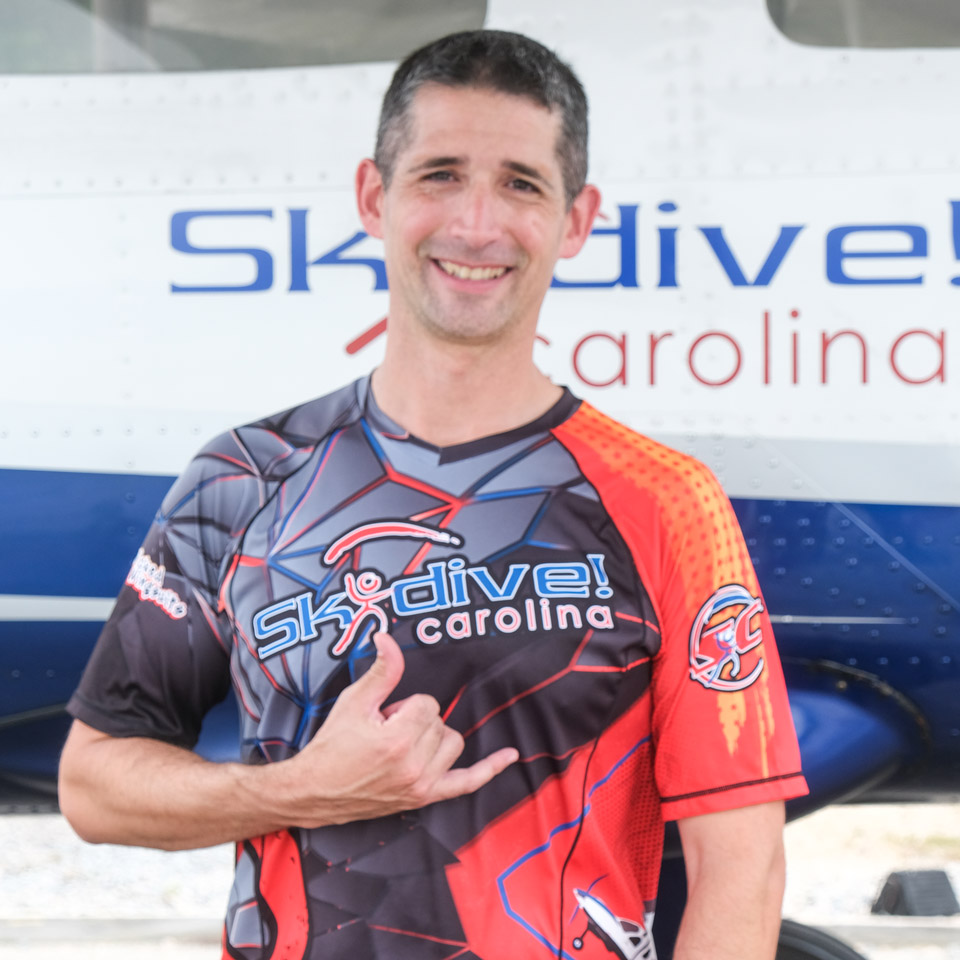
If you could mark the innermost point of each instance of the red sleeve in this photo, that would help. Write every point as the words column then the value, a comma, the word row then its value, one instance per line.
column 722, row 729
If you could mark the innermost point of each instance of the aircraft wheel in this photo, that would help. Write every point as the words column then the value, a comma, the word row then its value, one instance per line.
column 799, row 942
column 578, row 943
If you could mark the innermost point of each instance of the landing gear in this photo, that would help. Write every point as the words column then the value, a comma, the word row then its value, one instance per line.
column 578, row 943
column 799, row 942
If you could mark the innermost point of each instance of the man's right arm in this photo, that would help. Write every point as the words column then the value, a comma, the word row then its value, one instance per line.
column 365, row 761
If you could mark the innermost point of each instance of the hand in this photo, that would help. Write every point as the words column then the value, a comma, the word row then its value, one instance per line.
column 368, row 760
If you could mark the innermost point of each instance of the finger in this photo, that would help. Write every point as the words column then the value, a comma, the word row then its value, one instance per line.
column 456, row 783
column 382, row 678
column 391, row 708
column 408, row 718
column 438, row 750
column 429, row 745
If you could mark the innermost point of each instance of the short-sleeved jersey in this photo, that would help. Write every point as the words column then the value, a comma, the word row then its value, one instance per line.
column 568, row 588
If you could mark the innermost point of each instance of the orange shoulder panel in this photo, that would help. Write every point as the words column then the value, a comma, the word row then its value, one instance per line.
column 721, row 722
column 649, row 488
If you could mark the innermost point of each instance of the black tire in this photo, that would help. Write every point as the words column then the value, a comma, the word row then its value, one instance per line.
column 799, row 942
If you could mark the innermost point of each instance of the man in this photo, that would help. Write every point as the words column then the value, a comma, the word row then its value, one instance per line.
column 476, row 629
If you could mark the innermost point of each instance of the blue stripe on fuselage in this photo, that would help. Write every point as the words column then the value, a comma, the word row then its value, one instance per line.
column 73, row 534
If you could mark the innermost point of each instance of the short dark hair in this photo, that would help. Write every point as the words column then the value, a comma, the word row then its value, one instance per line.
column 493, row 60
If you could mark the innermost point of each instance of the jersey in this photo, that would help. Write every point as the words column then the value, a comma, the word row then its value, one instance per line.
column 569, row 588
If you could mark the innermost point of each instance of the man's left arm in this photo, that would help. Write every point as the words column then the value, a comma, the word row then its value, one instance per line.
column 735, row 879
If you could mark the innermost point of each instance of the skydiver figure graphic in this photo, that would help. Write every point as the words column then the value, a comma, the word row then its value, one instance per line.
column 366, row 590
column 726, row 641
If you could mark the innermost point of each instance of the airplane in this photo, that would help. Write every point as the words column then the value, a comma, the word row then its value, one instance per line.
column 772, row 287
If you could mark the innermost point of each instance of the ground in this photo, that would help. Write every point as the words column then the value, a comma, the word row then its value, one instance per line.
column 61, row 899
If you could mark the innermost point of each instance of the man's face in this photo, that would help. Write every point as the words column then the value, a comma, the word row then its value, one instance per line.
column 475, row 217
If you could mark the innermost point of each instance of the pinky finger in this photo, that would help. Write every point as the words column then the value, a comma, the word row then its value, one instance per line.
column 457, row 783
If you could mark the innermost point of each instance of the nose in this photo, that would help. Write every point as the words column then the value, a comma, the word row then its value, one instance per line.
column 478, row 217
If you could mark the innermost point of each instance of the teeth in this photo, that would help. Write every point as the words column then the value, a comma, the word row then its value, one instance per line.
column 471, row 273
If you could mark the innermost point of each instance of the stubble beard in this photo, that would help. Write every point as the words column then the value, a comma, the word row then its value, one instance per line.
column 463, row 319
column 467, row 326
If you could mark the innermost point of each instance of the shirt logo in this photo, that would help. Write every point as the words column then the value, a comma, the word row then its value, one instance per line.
column 726, row 629
column 146, row 577
column 626, row 939
column 361, row 606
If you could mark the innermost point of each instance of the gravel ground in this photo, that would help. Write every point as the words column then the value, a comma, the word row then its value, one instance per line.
column 839, row 857
column 49, row 873
column 157, row 950
column 837, row 860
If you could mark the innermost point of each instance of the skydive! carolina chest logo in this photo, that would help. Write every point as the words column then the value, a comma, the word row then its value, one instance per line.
column 361, row 606
column 726, row 630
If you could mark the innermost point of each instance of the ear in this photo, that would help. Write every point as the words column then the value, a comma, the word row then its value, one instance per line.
column 580, row 219
column 369, row 188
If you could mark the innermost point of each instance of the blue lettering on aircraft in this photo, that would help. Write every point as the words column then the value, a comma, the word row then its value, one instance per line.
column 299, row 260
column 731, row 266
column 263, row 280
column 837, row 253
column 619, row 238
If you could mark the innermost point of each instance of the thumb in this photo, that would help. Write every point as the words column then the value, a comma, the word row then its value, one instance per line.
column 382, row 678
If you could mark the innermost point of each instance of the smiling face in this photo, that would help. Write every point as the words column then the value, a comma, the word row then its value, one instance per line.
column 474, row 218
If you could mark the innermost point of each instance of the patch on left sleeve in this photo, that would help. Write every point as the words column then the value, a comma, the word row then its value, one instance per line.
column 724, row 638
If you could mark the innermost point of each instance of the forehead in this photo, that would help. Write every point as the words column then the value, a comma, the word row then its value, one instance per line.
column 447, row 118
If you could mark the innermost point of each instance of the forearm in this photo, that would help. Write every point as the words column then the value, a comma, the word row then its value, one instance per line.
column 735, row 878
column 362, row 763
column 147, row 793
column 718, row 925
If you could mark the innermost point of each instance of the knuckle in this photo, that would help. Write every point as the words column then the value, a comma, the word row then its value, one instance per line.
column 424, row 704
column 427, row 706
column 378, row 670
column 394, row 751
column 420, row 794
column 409, row 775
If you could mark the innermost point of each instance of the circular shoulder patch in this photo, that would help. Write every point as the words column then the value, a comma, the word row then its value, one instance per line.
column 726, row 630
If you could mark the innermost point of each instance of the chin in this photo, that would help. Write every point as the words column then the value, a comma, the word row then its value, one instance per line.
column 470, row 330
column 476, row 334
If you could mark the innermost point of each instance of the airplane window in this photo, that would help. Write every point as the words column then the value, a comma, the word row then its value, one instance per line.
column 125, row 36
column 868, row 23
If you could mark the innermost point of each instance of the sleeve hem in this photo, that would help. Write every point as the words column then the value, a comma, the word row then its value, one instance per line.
column 784, row 787
column 81, row 709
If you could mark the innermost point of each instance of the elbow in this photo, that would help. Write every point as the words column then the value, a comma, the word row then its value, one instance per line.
column 86, row 830
column 76, row 806
column 77, row 796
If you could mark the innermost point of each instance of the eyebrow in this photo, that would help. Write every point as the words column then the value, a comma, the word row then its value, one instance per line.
column 436, row 163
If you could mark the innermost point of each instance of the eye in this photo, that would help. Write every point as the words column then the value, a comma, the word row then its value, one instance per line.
column 524, row 186
column 439, row 176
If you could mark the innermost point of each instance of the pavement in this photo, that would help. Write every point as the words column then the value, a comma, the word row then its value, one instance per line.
column 62, row 899
column 839, row 858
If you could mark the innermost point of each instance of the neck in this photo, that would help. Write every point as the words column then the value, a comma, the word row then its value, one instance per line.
column 453, row 393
